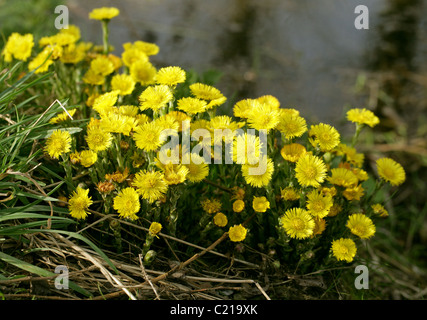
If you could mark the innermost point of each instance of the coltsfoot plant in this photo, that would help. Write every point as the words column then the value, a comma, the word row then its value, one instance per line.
column 152, row 150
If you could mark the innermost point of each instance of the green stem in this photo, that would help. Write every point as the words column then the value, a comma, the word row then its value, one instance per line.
column 105, row 35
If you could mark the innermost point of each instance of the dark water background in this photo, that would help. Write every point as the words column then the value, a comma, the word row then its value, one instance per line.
column 307, row 53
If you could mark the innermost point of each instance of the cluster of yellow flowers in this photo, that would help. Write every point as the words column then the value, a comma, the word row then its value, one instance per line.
column 310, row 178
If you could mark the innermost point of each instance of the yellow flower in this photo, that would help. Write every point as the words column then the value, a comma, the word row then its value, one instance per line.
column 118, row 176
column 75, row 157
column 170, row 76
column 260, row 204
column 205, row 92
column 353, row 193
column 379, row 210
column 335, row 209
column 79, row 203
column 148, row 136
column 262, row 117
column 344, row 249
column 98, row 139
column 211, row 205
column 243, row 107
column 319, row 226
column 104, row 13
column 150, row 185
column 124, row 83
column 352, row 156
column 220, row 219
column 155, row 97
column 310, row 171
column 291, row 125
column 143, row 72
column 238, row 205
column 155, row 228
column 105, row 102
column 292, row 152
column 102, row 65
column 127, row 203
column 297, row 223
column 147, row 47
column 41, row 61
column 343, row 177
column 175, row 173
column 191, row 105
column 272, row 102
column 289, row 194
column 361, row 225
column 59, row 142
column 258, row 175
column 118, row 123
column 246, row 149
column 324, row 135
column 223, row 123
column 391, row 171
column 318, row 205
column 88, row 158
column 73, row 53
column 18, row 46
column 93, row 78
column 64, row 116
column 133, row 55
column 362, row 116
column 238, row 193
column 197, row 168
column 237, row 233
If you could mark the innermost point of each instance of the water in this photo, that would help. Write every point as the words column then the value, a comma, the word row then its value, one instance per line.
column 306, row 53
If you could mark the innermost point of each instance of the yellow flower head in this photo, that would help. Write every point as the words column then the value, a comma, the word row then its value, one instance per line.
column 211, row 205
column 118, row 176
column 310, row 170
column 148, row 136
column 319, row 226
column 155, row 228
column 102, row 65
column 292, row 152
column 261, row 116
column 353, row 193
column 343, row 177
column 88, row 158
column 318, row 205
column 259, row 174
column 205, row 92
column 93, row 78
column 237, row 233
column 170, row 76
column 246, row 149
column 220, row 219
column 260, row 204
column 243, row 107
column 98, row 139
column 335, row 209
column 41, row 61
column 58, row 143
column 197, row 168
column 155, row 97
column 127, row 203
column 238, row 205
column 79, row 203
column 379, row 210
column 104, row 13
column 291, row 125
column 143, row 72
column 272, row 102
column 344, row 249
column 105, row 102
column 352, row 156
column 362, row 116
column 175, row 173
column 391, row 171
column 133, row 55
column 150, row 185
column 147, row 47
column 64, row 116
column 361, row 225
column 191, row 105
column 124, row 83
column 289, row 194
column 324, row 135
column 297, row 223
column 18, row 46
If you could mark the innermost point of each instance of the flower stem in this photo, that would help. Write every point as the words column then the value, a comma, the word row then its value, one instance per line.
column 105, row 35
